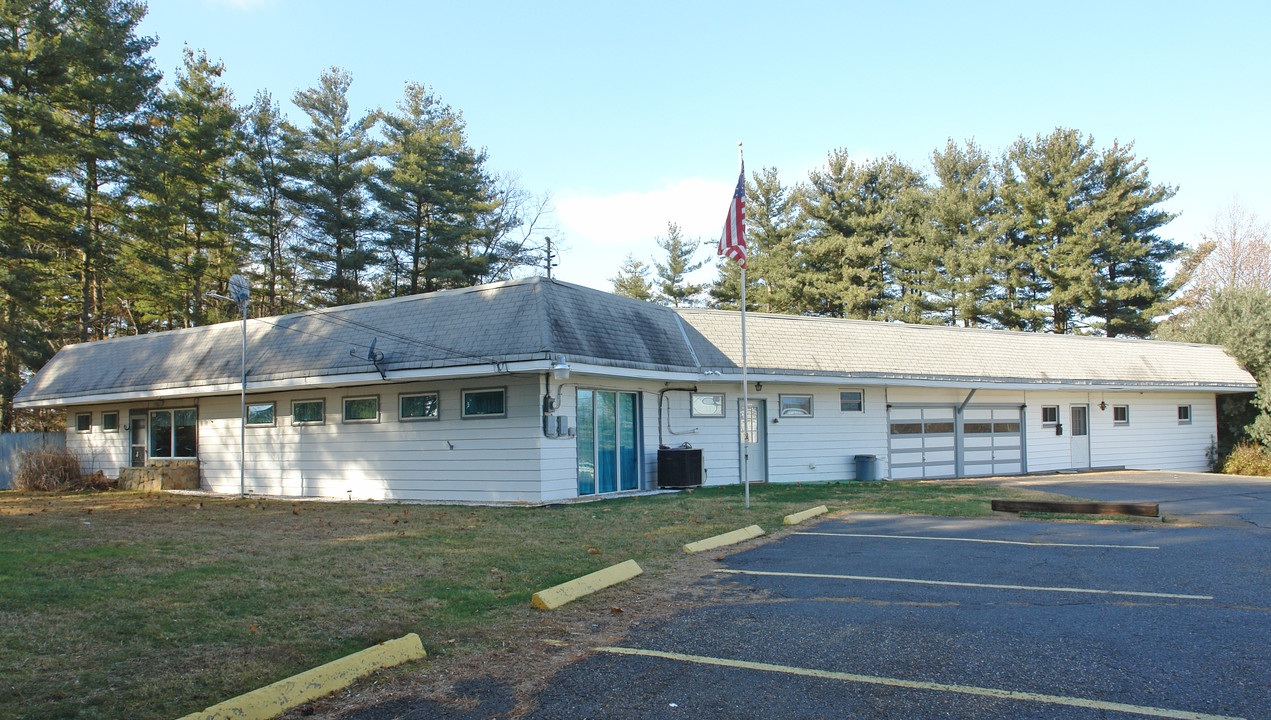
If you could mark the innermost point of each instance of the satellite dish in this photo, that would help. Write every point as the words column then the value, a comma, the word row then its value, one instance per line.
column 239, row 290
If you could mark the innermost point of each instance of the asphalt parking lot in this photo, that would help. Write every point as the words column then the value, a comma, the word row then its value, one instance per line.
column 872, row 616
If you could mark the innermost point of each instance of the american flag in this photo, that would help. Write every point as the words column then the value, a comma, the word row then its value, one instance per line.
column 732, row 242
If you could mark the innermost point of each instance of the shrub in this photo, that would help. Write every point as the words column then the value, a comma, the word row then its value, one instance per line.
column 47, row 468
column 1248, row 459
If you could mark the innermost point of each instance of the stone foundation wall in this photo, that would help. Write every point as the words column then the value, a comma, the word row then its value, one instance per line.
column 163, row 474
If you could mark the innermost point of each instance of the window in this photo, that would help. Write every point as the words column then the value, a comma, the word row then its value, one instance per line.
column 83, row 422
column 1120, row 414
column 706, row 405
column 260, row 415
column 308, row 412
column 795, row 405
column 1184, row 414
column 419, row 406
column 362, row 409
column 1050, row 415
column 486, row 402
column 852, row 400
column 174, row 433
column 110, row 422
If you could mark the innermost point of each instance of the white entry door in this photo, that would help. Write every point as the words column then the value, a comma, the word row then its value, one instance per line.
column 755, row 443
column 1080, row 436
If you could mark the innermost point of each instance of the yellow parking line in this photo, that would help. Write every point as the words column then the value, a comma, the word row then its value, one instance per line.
column 977, row 540
column 951, row 583
column 919, row 685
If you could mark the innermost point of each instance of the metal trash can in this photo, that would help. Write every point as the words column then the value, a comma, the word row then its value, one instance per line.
column 865, row 465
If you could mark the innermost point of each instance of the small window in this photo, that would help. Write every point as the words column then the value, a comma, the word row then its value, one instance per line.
column 795, row 405
column 1184, row 414
column 362, row 409
column 977, row 428
column 174, row 433
column 1050, row 415
column 308, row 412
column 852, row 400
column 110, row 422
column 906, row 428
column 706, row 405
column 1120, row 414
column 419, row 406
column 260, row 415
column 486, row 402
column 83, row 422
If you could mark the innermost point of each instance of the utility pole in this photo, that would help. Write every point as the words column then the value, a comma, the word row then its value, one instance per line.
column 551, row 259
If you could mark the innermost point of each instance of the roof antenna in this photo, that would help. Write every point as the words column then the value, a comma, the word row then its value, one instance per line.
column 551, row 258
column 373, row 356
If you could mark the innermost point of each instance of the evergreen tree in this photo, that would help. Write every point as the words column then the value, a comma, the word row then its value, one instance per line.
column 774, row 230
column 113, row 81
column 671, row 283
column 856, row 212
column 961, row 228
column 1049, row 186
column 35, row 145
column 433, row 194
column 332, row 166
column 1131, row 288
column 633, row 280
column 266, row 215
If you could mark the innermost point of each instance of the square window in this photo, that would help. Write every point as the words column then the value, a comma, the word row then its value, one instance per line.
column 362, row 409
column 1184, row 414
column 308, row 412
column 1050, row 414
column 419, row 406
column 486, row 402
column 795, row 405
column 1120, row 414
column 110, row 422
column 260, row 415
column 852, row 400
column 83, row 422
column 174, row 433
column 706, row 405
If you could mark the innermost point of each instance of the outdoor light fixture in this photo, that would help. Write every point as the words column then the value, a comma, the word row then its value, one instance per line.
column 560, row 370
column 1103, row 405
column 758, row 387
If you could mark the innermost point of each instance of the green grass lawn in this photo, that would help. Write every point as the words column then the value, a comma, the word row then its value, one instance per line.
column 154, row 606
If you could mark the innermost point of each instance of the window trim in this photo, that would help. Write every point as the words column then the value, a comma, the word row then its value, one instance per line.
column 426, row 418
column 1050, row 423
column 322, row 420
column 463, row 403
column 1188, row 419
column 88, row 415
column 781, row 408
column 692, row 408
column 273, row 413
column 1126, row 408
column 344, row 410
column 114, row 429
column 861, row 409
column 172, row 429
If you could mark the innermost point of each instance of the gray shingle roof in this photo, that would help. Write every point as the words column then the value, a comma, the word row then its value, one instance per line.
column 537, row 319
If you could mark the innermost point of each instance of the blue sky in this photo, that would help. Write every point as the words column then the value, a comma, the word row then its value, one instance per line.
column 630, row 114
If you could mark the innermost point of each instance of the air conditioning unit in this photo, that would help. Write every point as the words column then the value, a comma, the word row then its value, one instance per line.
column 679, row 467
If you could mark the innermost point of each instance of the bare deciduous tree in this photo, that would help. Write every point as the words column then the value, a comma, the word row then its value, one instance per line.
column 1240, row 256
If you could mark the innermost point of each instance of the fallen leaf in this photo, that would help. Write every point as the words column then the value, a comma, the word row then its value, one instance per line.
column 295, row 511
column 615, row 609
column 593, row 551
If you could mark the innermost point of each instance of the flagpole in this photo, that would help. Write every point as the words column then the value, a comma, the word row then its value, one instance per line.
column 745, row 386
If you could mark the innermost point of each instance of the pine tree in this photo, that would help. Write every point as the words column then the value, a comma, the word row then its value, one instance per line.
column 672, row 286
column 633, row 280
column 266, row 215
column 962, row 225
column 35, row 147
column 333, row 164
column 1130, row 257
column 433, row 194
column 774, row 231
column 113, row 81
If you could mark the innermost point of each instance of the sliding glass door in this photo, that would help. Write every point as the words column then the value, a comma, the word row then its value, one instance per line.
column 608, row 442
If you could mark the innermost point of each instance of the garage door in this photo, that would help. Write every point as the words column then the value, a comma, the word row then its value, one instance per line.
column 991, row 442
column 923, row 443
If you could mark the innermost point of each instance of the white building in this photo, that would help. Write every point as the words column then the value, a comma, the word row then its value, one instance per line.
column 535, row 391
